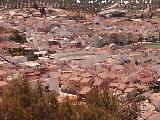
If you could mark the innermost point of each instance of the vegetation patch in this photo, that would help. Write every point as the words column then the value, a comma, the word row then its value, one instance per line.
column 153, row 45
column 23, row 102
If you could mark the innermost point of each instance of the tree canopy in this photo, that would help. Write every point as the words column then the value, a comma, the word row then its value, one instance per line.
column 23, row 102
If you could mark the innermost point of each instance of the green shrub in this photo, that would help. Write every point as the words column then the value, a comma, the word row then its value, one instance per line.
column 17, row 38
column 141, row 98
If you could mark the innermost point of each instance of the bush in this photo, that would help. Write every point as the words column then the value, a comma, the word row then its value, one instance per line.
column 157, row 109
column 17, row 52
column 32, row 57
column 141, row 98
column 17, row 38
column 22, row 102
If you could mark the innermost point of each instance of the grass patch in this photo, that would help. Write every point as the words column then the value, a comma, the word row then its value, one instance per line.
column 153, row 45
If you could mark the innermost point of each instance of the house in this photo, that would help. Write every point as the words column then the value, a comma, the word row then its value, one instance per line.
column 100, row 84
column 114, row 85
column 155, row 99
column 122, row 87
column 86, row 82
column 3, row 86
column 86, row 75
column 40, row 53
column 112, row 13
column 3, row 74
column 147, row 110
column 74, row 81
column 147, row 77
column 12, row 45
column 156, row 68
column 31, row 63
column 117, row 68
column 148, row 80
column 145, row 73
column 31, row 73
column 51, row 84
column 70, row 84
column 36, row 14
column 82, row 94
column 131, row 92
column 102, row 76
column 110, row 76
column 64, row 80
column 43, row 47
column 53, row 67
column 154, row 117
column 141, row 87
column 53, row 49
column 17, row 59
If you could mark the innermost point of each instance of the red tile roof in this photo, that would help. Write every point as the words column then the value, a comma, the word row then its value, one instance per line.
column 85, row 90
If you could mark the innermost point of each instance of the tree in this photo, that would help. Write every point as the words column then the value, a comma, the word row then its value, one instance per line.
column 67, row 110
column 17, row 38
column 15, row 102
column 113, row 106
column 22, row 101
column 35, row 6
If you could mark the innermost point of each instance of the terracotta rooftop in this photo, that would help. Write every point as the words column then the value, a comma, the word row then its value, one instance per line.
column 98, row 82
column 85, row 90
column 107, row 75
column 64, row 76
column 115, row 85
column 3, row 83
column 122, row 87
column 75, row 79
column 148, row 79
column 2, row 72
column 128, row 90
column 86, row 75
column 85, row 80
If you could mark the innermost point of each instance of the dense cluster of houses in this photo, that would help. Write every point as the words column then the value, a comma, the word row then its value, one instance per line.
column 74, row 55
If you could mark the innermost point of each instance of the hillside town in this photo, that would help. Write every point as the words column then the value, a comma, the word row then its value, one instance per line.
column 72, row 53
